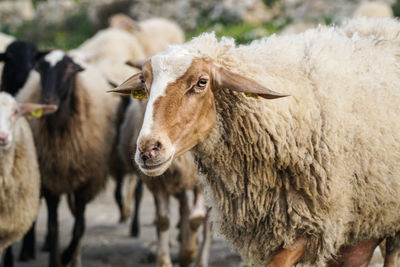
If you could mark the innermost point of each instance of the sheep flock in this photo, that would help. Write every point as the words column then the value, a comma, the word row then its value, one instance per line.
column 288, row 147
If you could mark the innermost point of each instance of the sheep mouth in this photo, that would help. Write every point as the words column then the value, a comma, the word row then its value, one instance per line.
column 157, row 168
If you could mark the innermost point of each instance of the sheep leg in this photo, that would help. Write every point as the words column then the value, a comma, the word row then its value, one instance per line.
column 135, row 226
column 188, row 248
column 355, row 256
column 287, row 257
column 204, row 254
column 392, row 255
column 198, row 212
column 162, row 209
column 52, row 202
column 119, row 179
column 8, row 257
column 72, row 251
column 28, row 245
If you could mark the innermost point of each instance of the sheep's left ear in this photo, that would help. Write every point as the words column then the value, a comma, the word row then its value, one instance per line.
column 36, row 110
column 74, row 68
column 227, row 79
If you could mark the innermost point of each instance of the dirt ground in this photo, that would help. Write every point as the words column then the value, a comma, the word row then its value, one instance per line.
column 107, row 244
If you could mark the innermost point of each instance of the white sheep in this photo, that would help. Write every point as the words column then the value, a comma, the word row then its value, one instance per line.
column 154, row 34
column 311, row 178
column 5, row 40
column 19, row 172
column 373, row 9
column 109, row 42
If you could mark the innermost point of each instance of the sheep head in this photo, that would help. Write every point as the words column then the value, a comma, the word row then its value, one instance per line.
column 10, row 111
column 181, row 108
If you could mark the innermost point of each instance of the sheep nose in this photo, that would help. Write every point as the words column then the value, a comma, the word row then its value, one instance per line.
column 150, row 152
column 3, row 136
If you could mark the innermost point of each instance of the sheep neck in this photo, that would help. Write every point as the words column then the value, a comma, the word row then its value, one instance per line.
column 253, row 182
column 60, row 121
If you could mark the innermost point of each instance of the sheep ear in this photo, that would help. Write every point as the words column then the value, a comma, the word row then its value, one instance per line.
column 227, row 79
column 41, row 54
column 2, row 56
column 134, row 87
column 36, row 110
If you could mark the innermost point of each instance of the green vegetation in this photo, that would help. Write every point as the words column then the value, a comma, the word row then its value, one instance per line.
column 242, row 32
column 67, row 35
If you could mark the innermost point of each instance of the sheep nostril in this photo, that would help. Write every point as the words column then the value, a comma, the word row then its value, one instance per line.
column 146, row 155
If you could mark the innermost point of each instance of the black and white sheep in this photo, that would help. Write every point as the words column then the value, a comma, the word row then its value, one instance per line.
column 72, row 144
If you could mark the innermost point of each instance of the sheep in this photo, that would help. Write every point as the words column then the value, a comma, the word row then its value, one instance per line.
column 5, row 40
column 308, row 178
column 154, row 34
column 109, row 42
column 373, row 9
column 19, row 60
column 374, row 28
column 180, row 177
column 19, row 172
column 84, row 119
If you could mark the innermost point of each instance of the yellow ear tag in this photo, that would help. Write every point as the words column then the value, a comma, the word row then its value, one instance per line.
column 251, row 95
column 37, row 113
column 139, row 94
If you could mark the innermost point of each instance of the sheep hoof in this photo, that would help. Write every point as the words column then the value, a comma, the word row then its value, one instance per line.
column 27, row 256
column 187, row 256
column 164, row 262
column 195, row 222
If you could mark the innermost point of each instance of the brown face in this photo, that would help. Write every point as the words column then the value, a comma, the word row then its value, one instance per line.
column 180, row 112
column 181, row 117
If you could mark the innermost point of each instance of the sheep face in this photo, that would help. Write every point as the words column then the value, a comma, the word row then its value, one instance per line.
column 19, row 59
column 10, row 111
column 57, row 76
column 181, row 108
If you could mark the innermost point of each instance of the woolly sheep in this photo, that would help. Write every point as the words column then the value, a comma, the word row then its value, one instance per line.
column 154, row 34
column 373, row 9
column 374, row 28
column 5, row 40
column 110, row 42
column 299, row 179
column 85, row 117
column 179, row 178
column 19, row 172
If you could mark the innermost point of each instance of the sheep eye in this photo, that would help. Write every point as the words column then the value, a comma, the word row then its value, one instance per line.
column 142, row 80
column 202, row 83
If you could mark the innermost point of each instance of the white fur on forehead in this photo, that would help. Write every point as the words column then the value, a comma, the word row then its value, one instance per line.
column 177, row 58
column 6, row 100
column 54, row 57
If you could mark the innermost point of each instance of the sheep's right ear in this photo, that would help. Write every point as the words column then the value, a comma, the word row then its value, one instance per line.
column 36, row 110
column 41, row 54
column 227, row 79
column 2, row 56
column 134, row 87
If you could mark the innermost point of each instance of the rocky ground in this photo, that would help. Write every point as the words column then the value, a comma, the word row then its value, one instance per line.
column 107, row 243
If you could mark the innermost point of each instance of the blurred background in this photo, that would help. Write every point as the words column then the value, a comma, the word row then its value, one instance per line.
column 67, row 23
